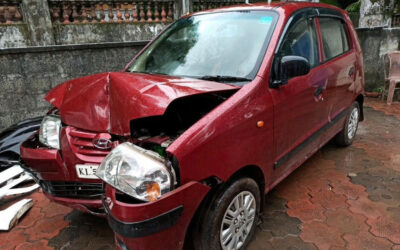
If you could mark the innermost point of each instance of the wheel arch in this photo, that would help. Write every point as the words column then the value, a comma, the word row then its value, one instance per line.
column 251, row 171
column 360, row 100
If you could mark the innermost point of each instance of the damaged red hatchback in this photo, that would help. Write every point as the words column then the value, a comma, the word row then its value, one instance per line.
column 205, row 120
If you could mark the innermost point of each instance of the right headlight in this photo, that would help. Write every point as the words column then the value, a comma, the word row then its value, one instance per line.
column 49, row 132
column 137, row 172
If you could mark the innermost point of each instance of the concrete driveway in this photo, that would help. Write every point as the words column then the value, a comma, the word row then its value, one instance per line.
column 341, row 198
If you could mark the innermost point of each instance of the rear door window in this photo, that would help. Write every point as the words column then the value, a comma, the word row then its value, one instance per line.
column 334, row 37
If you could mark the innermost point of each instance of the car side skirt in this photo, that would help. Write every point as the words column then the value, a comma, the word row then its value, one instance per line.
column 310, row 139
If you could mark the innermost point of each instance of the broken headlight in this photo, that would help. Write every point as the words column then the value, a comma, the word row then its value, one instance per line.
column 138, row 172
column 49, row 132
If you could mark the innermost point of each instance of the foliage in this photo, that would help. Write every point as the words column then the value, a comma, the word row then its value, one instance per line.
column 378, row 89
column 331, row 2
column 354, row 7
column 345, row 3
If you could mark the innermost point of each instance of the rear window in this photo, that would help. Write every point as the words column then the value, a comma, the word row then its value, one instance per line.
column 334, row 37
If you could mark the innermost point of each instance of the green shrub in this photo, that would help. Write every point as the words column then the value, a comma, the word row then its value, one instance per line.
column 354, row 7
column 331, row 2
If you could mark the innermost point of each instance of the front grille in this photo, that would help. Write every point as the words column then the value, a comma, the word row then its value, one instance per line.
column 73, row 189
column 82, row 142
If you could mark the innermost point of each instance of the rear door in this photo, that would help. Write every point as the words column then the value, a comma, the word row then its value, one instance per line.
column 339, row 61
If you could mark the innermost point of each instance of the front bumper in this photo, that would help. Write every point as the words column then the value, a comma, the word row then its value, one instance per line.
column 152, row 225
column 94, row 207
column 59, row 180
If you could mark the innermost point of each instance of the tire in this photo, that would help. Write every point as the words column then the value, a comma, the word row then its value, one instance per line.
column 243, row 221
column 346, row 136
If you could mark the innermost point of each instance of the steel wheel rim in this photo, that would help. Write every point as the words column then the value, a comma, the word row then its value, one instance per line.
column 353, row 123
column 237, row 221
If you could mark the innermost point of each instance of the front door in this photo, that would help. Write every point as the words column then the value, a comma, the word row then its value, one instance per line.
column 298, row 105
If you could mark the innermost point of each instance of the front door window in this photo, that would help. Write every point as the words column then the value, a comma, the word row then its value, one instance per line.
column 301, row 40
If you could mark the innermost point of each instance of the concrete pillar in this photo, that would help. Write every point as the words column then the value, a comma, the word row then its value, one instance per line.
column 177, row 9
column 376, row 13
column 37, row 16
column 187, row 6
column 182, row 7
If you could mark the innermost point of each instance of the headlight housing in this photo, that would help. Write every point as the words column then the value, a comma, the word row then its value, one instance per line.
column 138, row 172
column 49, row 133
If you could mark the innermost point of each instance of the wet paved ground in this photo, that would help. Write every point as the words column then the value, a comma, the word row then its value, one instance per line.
column 341, row 198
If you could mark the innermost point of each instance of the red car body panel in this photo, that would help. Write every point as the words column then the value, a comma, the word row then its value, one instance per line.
column 95, row 105
column 49, row 165
column 267, row 104
column 48, row 162
column 107, row 102
column 221, row 143
column 188, row 196
column 231, row 136
column 227, row 139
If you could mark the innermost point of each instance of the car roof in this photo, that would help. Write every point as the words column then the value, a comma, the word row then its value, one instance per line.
column 287, row 7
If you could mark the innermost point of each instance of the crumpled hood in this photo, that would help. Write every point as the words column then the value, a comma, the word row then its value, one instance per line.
column 107, row 102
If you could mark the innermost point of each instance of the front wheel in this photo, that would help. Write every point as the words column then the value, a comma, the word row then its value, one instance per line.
column 346, row 136
column 231, row 219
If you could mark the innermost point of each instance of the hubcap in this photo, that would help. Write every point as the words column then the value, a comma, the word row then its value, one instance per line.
column 238, row 221
column 353, row 123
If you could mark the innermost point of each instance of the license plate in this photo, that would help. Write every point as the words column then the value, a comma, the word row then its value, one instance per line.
column 86, row 171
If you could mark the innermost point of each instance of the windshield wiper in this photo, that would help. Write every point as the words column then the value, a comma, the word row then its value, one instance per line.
column 150, row 73
column 219, row 78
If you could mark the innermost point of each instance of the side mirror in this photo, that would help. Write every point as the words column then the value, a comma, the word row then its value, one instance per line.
column 291, row 66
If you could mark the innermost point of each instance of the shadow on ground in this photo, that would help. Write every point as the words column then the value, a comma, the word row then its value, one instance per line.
column 85, row 231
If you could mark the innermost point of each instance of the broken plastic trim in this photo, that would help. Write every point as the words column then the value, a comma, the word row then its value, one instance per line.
column 11, row 178
column 10, row 216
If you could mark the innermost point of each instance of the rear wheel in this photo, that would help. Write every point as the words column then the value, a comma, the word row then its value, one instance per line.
column 346, row 136
column 231, row 219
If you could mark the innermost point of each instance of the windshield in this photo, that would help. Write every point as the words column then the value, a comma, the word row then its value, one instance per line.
column 226, row 46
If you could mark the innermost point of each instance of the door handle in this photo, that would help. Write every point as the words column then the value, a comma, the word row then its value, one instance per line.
column 318, row 94
column 318, row 91
column 351, row 71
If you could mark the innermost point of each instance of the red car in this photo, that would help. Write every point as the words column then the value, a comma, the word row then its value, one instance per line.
column 205, row 120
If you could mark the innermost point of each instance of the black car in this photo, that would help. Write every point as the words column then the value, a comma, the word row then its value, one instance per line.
column 12, row 138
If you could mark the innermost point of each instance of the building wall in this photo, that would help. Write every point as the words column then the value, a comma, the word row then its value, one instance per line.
column 27, row 74
column 14, row 36
column 375, row 43
column 56, row 22
column 376, row 13
column 106, row 32
column 18, row 35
